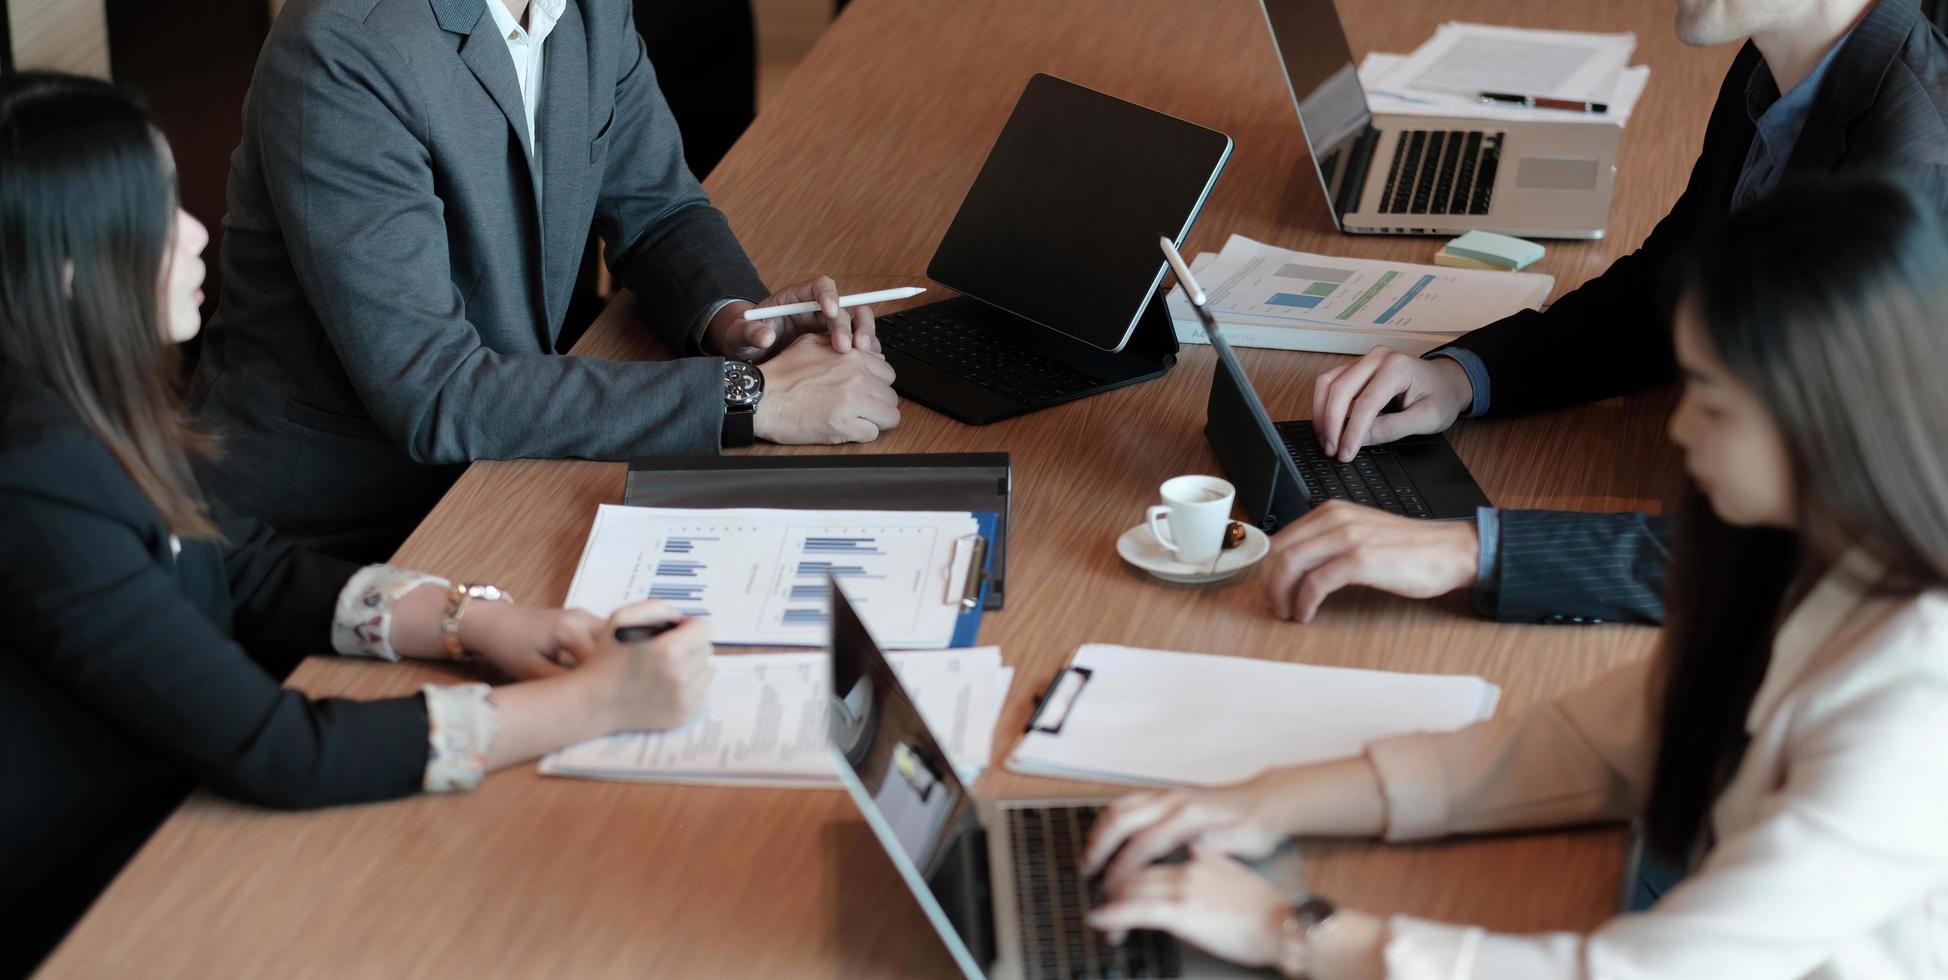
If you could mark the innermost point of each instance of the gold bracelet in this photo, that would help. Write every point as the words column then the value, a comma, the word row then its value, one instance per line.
column 457, row 599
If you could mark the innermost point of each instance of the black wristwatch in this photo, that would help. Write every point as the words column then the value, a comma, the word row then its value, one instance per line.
column 743, row 386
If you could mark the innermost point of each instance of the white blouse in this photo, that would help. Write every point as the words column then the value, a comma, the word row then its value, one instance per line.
column 1831, row 854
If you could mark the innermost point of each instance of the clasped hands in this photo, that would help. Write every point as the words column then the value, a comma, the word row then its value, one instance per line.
column 826, row 381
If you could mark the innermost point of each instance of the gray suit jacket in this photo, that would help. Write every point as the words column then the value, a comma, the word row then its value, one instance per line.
column 393, row 292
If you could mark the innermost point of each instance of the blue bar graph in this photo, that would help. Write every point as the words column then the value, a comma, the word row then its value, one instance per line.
column 679, row 569
column 683, row 546
column 1294, row 300
column 806, row 617
column 1405, row 298
column 676, row 592
column 807, row 593
column 841, row 546
column 820, row 569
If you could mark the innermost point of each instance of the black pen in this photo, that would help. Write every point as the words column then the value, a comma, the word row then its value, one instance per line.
column 637, row 634
column 1545, row 102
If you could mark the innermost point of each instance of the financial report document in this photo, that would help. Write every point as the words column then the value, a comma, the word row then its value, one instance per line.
column 760, row 575
column 764, row 722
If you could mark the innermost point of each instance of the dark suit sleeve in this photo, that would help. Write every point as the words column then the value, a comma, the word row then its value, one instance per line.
column 350, row 176
column 665, row 242
column 1558, row 566
column 100, row 616
column 283, row 595
column 1609, row 336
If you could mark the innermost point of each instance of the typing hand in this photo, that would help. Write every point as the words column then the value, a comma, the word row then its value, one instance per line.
column 1348, row 401
column 1340, row 544
column 1145, row 827
column 653, row 685
column 730, row 335
column 1211, row 902
column 815, row 395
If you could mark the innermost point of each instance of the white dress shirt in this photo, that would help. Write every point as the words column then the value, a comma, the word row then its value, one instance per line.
column 1831, row 841
column 527, row 46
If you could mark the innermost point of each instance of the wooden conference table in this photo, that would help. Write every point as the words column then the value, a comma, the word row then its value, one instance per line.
column 856, row 172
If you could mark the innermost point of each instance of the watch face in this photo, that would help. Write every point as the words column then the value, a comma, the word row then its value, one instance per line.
column 743, row 384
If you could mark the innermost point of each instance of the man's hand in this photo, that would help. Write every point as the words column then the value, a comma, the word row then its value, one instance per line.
column 814, row 395
column 730, row 335
column 1347, row 401
column 1341, row 544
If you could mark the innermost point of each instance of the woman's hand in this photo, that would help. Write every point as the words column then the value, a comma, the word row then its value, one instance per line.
column 656, row 684
column 1240, row 820
column 1211, row 902
column 528, row 642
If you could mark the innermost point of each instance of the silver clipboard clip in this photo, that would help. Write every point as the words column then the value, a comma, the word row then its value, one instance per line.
column 1062, row 694
column 975, row 573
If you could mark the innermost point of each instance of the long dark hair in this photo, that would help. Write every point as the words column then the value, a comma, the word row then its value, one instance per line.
column 87, row 211
column 1826, row 300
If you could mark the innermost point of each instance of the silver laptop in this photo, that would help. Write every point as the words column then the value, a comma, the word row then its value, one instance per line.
column 997, row 880
column 1435, row 175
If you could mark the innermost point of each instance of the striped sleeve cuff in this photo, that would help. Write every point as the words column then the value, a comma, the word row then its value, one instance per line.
column 1477, row 376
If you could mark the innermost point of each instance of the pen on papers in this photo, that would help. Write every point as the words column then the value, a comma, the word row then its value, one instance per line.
column 845, row 302
column 1544, row 102
column 637, row 634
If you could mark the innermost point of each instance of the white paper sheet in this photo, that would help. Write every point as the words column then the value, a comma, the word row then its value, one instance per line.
column 1469, row 59
column 760, row 575
column 764, row 724
column 1377, row 66
column 1158, row 718
column 1267, row 296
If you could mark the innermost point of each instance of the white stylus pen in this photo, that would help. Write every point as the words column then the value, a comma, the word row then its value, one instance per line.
column 845, row 302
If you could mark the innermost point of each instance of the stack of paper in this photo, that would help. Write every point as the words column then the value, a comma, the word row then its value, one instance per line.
column 1156, row 718
column 761, row 575
column 764, row 724
column 1448, row 73
column 1266, row 296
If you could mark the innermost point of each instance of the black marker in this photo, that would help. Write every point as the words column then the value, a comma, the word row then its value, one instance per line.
column 637, row 634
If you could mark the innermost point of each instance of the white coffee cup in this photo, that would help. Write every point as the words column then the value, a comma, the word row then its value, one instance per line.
column 1197, row 509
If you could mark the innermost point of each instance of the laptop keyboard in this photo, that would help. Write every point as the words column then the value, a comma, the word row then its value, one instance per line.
column 977, row 355
column 1052, row 896
column 1441, row 172
column 1374, row 477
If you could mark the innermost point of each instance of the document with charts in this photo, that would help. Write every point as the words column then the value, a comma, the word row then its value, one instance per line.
column 764, row 722
column 760, row 575
column 1266, row 296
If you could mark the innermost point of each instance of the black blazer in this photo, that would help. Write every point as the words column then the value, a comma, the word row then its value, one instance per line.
column 129, row 673
column 1883, row 106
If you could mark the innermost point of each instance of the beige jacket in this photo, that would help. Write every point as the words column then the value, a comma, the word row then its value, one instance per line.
column 1831, row 856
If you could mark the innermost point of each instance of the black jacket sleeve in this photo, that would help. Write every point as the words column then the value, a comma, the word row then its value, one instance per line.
column 1609, row 336
column 1558, row 567
column 282, row 595
column 94, row 608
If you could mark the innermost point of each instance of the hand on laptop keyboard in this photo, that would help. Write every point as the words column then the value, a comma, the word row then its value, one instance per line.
column 1210, row 901
column 1340, row 544
column 1349, row 401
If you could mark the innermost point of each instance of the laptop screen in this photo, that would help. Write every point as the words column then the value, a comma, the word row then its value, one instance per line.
column 917, row 807
column 1325, row 85
column 1059, row 224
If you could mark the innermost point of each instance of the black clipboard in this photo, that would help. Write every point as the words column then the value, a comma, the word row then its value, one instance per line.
column 974, row 482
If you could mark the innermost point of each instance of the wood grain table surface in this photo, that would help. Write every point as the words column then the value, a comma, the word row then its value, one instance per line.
column 856, row 172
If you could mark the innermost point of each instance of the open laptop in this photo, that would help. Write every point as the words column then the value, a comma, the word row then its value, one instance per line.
column 1435, row 175
column 997, row 880
column 1056, row 304
column 1278, row 467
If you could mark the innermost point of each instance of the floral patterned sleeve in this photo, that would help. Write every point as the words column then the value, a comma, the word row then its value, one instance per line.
column 462, row 720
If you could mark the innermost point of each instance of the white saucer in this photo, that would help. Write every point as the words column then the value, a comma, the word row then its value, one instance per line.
column 1139, row 547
